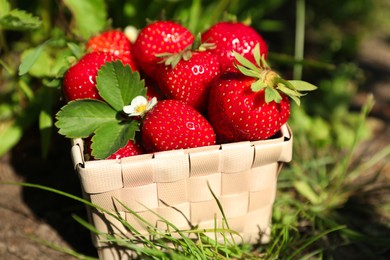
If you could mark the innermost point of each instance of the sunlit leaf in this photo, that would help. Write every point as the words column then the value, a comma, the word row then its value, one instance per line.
column 53, row 83
column 302, row 85
column 288, row 91
column 248, row 72
column 19, row 20
column 10, row 135
column 90, row 17
column 306, row 191
column 272, row 94
column 118, row 85
column 291, row 93
column 296, row 100
column 4, row 7
column 245, row 62
column 26, row 89
column 111, row 136
column 81, row 118
column 256, row 54
column 258, row 85
column 30, row 58
column 76, row 50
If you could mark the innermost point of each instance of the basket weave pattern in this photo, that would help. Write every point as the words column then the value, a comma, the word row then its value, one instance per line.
column 242, row 175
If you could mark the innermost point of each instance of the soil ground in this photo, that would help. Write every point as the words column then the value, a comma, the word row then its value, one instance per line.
column 29, row 216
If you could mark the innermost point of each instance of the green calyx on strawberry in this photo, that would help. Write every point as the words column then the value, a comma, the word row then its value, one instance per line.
column 253, row 105
column 173, row 58
column 268, row 80
column 187, row 75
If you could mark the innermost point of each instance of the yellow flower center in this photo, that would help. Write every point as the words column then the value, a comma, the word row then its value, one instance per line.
column 140, row 108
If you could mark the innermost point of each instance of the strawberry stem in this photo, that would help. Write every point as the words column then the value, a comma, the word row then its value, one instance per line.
column 268, row 80
column 172, row 59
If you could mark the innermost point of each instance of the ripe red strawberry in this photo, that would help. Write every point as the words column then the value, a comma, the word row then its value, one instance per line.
column 172, row 124
column 189, row 80
column 80, row 80
column 115, row 42
column 233, row 36
column 130, row 149
column 157, row 38
column 239, row 114
column 252, row 105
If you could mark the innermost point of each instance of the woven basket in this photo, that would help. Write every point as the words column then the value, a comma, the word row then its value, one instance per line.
column 176, row 185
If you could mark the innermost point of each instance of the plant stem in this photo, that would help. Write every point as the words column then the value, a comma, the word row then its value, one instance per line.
column 299, row 38
column 195, row 11
column 290, row 60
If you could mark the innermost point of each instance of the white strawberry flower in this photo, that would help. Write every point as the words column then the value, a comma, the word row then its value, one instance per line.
column 139, row 106
column 131, row 33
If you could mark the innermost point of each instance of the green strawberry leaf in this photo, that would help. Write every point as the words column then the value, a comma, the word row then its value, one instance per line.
column 258, row 85
column 112, row 136
column 269, row 79
column 302, row 85
column 187, row 55
column 296, row 100
column 19, row 20
column 77, row 51
column 256, row 55
column 288, row 91
column 30, row 57
column 10, row 134
column 89, row 17
column 245, row 62
column 118, row 85
column 81, row 118
column 291, row 93
column 173, row 60
column 5, row 8
column 248, row 72
column 272, row 94
column 89, row 117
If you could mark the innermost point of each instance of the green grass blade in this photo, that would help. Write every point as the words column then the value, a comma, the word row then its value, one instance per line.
column 299, row 37
column 312, row 240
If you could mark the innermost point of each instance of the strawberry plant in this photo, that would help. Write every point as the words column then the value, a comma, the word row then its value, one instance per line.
column 104, row 120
